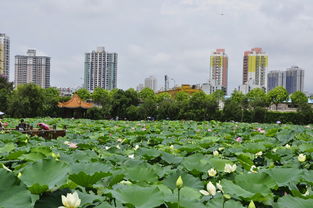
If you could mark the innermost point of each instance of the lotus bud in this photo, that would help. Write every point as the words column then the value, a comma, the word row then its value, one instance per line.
column 215, row 153
column 251, row 205
column 179, row 182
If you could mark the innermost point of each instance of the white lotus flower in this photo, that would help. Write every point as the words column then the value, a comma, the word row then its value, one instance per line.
column 219, row 186
column 259, row 153
column 70, row 200
column 253, row 169
column 221, row 148
column 211, row 190
column 287, row 146
column 136, row 147
column 212, row 172
column 106, row 147
column 125, row 182
column 132, row 156
column 230, row 168
column 215, row 153
column 302, row 158
column 118, row 147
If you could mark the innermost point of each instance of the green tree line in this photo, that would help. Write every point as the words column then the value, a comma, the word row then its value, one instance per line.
column 29, row 100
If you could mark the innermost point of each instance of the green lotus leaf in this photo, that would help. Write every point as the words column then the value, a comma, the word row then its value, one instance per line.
column 171, row 159
column 7, row 148
column 141, row 173
column 284, row 176
column 140, row 197
column 47, row 172
column 86, row 180
column 294, row 202
column 13, row 193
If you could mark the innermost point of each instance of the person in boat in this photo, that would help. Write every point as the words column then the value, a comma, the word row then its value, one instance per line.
column 22, row 125
column 43, row 126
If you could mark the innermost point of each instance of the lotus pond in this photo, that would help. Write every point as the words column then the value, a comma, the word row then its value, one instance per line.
column 162, row 164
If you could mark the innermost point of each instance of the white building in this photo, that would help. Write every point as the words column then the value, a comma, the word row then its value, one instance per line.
column 100, row 70
column 151, row 82
column 32, row 69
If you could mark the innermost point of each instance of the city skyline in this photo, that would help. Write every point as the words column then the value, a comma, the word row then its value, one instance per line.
column 161, row 37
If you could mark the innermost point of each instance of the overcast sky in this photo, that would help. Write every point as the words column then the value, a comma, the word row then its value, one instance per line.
column 158, row 37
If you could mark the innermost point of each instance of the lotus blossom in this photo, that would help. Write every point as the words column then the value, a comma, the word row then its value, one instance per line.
column 126, row 182
column 259, row 154
column 211, row 190
column 216, row 153
column 253, row 169
column 302, row 158
column 132, row 156
column 119, row 140
column 209, row 130
column 136, row 147
column 230, row 168
column 278, row 122
column 106, row 147
column 219, row 186
column 212, row 172
column 72, row 145
column 118, row 147
column 238, row 139
column 261, row 130
column 70, row 200
column 287, row 146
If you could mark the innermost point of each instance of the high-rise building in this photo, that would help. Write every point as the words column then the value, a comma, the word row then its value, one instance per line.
column 292, row 79
column 4, row 55
column 32, row 69
column 218, row 71
column 139, row 87
column 274, row 79
column 151, row 82
column 100, row 70
column 255, row 63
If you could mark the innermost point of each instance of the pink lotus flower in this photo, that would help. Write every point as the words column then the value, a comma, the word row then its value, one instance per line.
column 72, row 145
column 238, row 139
column 261, row 130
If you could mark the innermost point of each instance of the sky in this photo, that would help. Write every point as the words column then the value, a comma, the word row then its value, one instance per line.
column 159, row 37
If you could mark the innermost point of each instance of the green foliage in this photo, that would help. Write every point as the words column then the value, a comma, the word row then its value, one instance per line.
column 136, row 164
column 26, row 101
column 83, row 93
column 298, row 98
column 6, row 89
column 277, row 95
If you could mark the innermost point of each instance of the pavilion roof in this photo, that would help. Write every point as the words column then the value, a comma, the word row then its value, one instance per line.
column 75, row 102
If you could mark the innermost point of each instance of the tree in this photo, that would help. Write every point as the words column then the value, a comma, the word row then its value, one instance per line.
column 51, row 99
column 235, row 106
column 277, row 95
column 6, row 89
column 258, row 101
column 298, row 98
column 26, row 101
column 83, row 93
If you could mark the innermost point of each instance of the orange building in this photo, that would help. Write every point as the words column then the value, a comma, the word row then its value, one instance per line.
column 75, row 107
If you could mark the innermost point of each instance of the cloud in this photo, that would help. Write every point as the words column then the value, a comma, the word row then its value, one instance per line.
column 173, row 37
